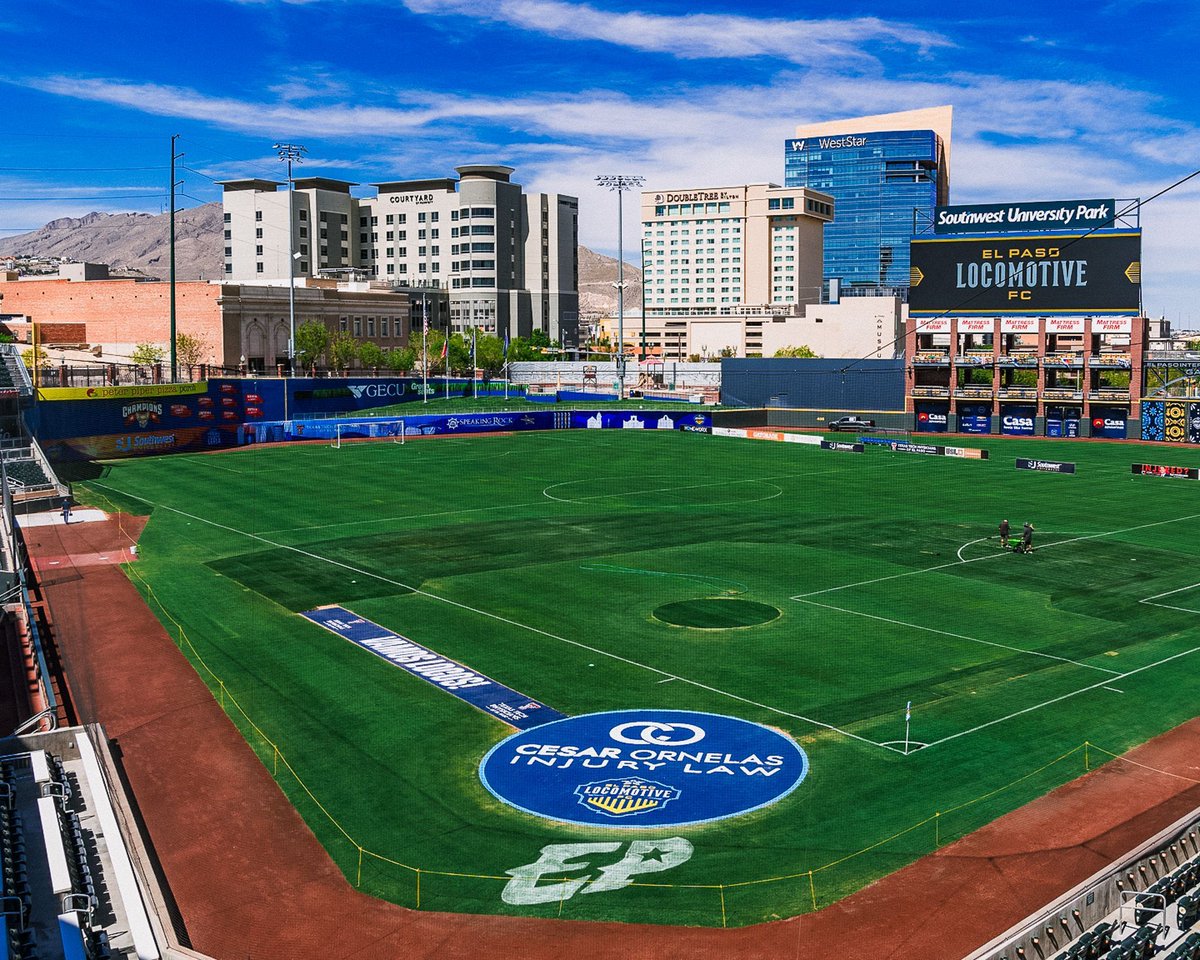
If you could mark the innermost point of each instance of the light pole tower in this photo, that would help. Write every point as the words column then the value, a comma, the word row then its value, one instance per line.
column 289, row 153
column 620, row 183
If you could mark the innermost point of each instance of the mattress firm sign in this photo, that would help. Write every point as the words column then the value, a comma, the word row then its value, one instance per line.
column 1027, row 275
column 1023, row 217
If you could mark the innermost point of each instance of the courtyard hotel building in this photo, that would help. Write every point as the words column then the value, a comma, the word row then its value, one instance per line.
column 472, row 251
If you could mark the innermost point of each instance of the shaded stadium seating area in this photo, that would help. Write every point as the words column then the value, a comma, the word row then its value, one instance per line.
column 1155, row 906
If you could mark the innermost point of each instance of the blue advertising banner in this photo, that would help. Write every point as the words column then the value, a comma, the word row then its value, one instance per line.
column 1109, row 423
column 483, row 693
column 975, row 418
column 932, row 419
column 1017, row 421
column 638, row 420
column 644, row 768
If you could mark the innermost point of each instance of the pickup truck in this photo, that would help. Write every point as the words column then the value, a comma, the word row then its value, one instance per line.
column 851, row 423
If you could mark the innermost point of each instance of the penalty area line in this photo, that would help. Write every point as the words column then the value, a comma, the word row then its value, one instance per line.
column 994, row 556
column 961, row 636
column 1101, row 684
column 497, row 617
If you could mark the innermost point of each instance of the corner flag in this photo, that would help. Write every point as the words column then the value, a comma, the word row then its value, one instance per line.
column 908, row 712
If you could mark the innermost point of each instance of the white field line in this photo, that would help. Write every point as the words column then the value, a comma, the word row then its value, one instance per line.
column 1066, row 696
column 961, row 636
column 1166, row 606
column 497, row 617
column 955, row 563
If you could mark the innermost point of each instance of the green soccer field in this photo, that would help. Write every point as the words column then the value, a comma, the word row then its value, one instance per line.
column 604, row 571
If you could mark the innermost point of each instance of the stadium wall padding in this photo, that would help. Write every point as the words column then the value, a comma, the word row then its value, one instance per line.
column 825, row 384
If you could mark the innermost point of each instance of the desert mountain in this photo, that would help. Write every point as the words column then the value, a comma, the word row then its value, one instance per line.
column 138, row 243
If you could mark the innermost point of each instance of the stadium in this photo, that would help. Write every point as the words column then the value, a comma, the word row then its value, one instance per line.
column 622, row 679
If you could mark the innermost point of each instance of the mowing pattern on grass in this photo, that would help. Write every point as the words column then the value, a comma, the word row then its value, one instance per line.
column 716, row 613
column 889, row 592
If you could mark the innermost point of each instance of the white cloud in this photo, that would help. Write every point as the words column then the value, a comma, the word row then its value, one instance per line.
column 695, row 35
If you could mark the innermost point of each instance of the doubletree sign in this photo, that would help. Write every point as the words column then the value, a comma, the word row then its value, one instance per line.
column 1098, row 273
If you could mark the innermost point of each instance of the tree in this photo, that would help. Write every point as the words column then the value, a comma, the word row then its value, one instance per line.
column 489, row 356
column 1024, row 378
column 728, row 352
column 343, row 349
column 400, row 359
column 28, row 355
column 371, row 355
column 147, row 354
column 460, row 355
column 803, row 351
column 191, row 351
column 312, row 340
column 428, row 348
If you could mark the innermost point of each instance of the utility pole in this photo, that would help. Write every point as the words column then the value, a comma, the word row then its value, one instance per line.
column 174, row 183
column 620, row 183
column 289, row 153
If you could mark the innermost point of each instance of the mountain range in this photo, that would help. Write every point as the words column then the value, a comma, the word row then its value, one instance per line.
column 137, row 244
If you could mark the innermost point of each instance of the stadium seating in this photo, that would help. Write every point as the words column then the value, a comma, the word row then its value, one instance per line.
column 26, row 473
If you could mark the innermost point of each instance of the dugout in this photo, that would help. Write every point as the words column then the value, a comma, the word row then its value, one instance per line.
column 810, row 392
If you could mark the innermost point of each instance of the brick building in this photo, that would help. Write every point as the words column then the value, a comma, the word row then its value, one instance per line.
column 235, row 321
column 1055, row 376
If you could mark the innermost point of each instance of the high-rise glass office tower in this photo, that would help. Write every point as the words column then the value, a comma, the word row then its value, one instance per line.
column 886, row 174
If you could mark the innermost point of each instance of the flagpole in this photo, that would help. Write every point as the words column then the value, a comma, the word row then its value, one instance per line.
column 474, row 367
column 425, row 353
column 446, row 354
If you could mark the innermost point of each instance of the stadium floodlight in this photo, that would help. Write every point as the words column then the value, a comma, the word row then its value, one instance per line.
column 620, row 183
column 289, row 153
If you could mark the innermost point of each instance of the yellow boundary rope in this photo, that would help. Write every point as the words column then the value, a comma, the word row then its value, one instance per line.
column 229, row 701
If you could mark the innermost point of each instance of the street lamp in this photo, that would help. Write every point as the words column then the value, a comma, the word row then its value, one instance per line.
column 620, row 183
column 289, row 153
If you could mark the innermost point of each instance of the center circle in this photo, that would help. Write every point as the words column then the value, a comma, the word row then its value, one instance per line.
column 643, row 768
column 716, row 613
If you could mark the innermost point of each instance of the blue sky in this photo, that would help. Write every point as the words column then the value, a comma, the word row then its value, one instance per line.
column 1052, row 101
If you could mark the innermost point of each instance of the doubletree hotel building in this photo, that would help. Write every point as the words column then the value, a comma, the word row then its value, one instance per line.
column 886, row 174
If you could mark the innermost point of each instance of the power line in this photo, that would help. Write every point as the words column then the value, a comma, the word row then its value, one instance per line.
column 109, row 196
column 70, row 169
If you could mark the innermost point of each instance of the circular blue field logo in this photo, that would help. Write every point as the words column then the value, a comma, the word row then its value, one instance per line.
column 643, row 768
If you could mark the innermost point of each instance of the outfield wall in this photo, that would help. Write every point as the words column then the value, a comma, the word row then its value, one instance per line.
column 865, row 387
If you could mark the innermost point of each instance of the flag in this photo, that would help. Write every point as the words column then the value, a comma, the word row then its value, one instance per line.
column 506, row 343
column 445, row 347
column 908, row 712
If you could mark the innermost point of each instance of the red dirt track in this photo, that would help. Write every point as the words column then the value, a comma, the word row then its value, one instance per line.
column 251, row 880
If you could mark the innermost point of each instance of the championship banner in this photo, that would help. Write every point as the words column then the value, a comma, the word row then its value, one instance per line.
column 1045, row 466
column 122, row 393
column 1159, row 470
column 1027, row 275
column 842, row 446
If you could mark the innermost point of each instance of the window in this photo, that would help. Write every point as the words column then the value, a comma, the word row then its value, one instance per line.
column 228, row 218
column 229, row 251
column 483, row 211
column 433, row 234
column 303, row 214
column 420, row 234
column 370, row 326
column 390, row 236
column 258, row 250
column 258, row 268
column 401, row 234
column 258, row 233
column 420, row 218
column 433, row 217
column 362, row 238
column 384, row 327
column 304, row 231
column 434, row 250
column 789, row 203
column 479, row 229
column 773, row 203
column 229, row 268
column 304, row 266
column 358, row 326
column 228, row 234
column 401, row 217
column 391, row 219
column 362, row 221
column 258, row 215
column 391, row 252
column 391, row 268
column 304, row 249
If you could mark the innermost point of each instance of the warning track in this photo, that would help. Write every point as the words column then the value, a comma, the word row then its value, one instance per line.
column 250, row 879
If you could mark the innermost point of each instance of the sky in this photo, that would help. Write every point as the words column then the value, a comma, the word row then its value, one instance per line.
column 1067, row 100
